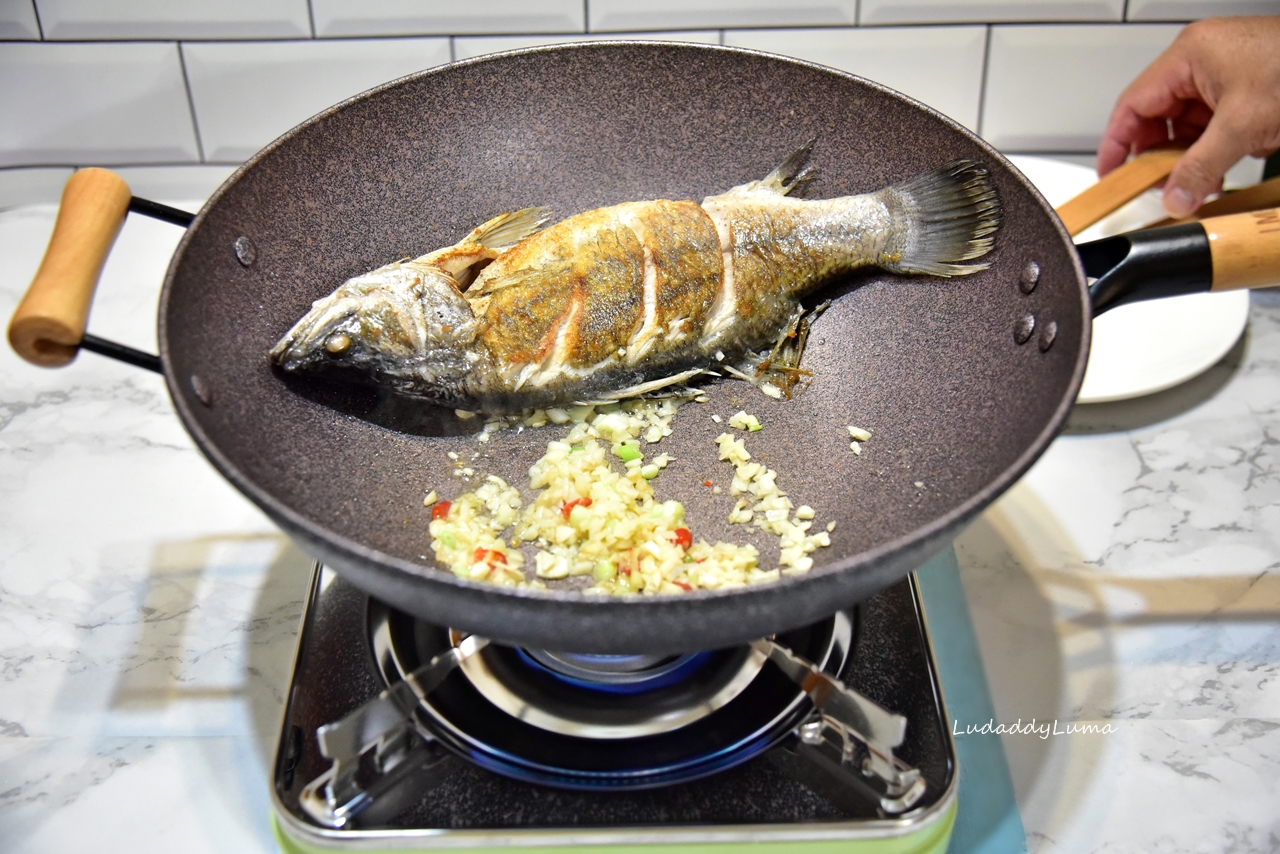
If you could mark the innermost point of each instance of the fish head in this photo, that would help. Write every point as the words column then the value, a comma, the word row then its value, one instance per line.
column 405, row 325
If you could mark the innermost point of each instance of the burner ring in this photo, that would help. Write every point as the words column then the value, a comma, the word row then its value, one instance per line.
column 623, row 674
column 558, row 695
column 461, row 718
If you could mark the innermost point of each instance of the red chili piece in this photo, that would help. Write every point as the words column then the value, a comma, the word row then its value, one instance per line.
column 684, row 539
column 682, row 584
column 706, row 483
column 440, row 510
column 489, row 556
column 568, row 506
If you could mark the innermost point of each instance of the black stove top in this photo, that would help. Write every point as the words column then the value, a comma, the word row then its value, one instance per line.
column 748, row 754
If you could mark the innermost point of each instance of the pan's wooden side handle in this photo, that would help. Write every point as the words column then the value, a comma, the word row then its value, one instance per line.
column 1245, row 249
column 1118, row 188
column 49, row 323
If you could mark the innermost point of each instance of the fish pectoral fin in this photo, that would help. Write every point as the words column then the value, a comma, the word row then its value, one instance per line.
column 463, row 261
column 508, row 229
column 527, row 276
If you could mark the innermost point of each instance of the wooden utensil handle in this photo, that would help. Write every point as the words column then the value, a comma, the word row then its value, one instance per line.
column 1263, row 195
column 1245, row 249
column 49, row 323
column 1117, row 189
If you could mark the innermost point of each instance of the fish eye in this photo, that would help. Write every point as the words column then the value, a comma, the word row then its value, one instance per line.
column 337, row 344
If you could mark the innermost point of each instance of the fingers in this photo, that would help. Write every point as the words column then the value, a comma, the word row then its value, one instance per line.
column 1139, row 120
column 1199, row 172
column 1135, row 138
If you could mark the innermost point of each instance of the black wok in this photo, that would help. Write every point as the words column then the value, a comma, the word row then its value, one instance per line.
column 961, row 391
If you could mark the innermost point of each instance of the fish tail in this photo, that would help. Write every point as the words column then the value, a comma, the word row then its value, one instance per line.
column 941, row 218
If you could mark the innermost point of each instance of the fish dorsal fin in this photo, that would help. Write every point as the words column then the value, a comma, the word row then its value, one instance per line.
column 791, row 172
column 509, row 228
column 785, row 177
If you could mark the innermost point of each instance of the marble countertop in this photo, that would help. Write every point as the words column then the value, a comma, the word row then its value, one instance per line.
column 148, row 612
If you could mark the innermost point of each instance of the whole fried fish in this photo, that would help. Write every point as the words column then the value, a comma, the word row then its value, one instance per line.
column 624, row 300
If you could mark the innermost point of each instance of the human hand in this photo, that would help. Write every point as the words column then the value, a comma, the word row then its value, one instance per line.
column 1216, row 89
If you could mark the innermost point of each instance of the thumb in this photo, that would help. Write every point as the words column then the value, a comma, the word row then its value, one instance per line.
column 1199, row 171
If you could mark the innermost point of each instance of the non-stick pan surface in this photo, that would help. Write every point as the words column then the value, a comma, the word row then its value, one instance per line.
column 960, row 403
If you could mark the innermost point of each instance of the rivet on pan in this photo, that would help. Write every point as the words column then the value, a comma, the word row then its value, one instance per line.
column 246, row 252
column 202, row 391
column 1047, row 334
column 1023, row 329
column 1030, row 277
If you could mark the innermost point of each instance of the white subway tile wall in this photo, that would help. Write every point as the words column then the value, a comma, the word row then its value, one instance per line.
column 987, row 11
column 32, row 185
column 440, row 17
column 1051, row 88
column 248, row 93
column 697, row 14
column 174, row 19
column 99, row 103
column 171, row 82
column 1190, row 10
column 940, row 66
column 18, row 20
column 466, row 47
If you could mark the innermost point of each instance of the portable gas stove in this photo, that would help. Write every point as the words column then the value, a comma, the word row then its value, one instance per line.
column 399, row 735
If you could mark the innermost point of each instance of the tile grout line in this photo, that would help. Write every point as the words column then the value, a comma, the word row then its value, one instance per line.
column 39, row 24
column 311, row 18
column 191, row 102
column 983, row 81
column 586, row 16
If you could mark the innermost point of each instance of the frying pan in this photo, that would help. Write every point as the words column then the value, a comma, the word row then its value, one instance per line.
column 963, row 382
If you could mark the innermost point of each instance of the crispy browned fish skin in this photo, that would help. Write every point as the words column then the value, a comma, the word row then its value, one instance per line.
column 619, row 299
column 576, row 292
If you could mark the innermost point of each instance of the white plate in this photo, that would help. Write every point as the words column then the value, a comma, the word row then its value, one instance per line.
column 1150, row 346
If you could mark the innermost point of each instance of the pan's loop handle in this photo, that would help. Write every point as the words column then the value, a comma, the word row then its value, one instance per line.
column 48, row 327
column 49, row 324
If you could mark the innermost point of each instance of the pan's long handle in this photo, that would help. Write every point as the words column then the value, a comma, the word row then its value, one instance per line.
column 1245, row 249
column 49, row 324
column 1217, row 254
column 48, row 327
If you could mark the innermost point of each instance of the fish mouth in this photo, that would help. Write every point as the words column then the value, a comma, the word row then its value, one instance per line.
column 317, row 336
